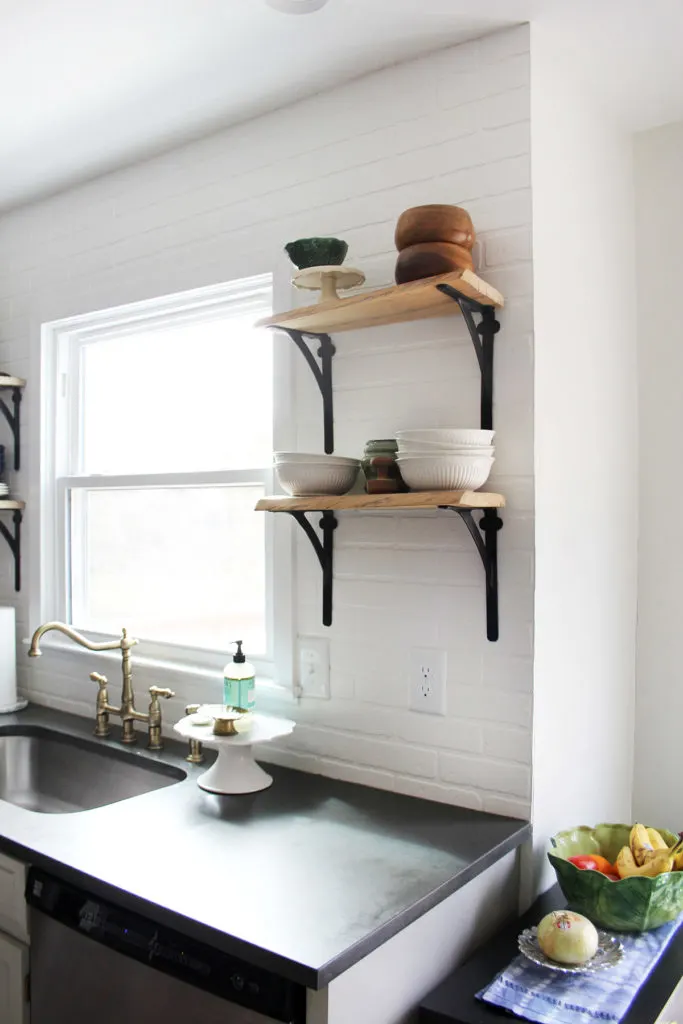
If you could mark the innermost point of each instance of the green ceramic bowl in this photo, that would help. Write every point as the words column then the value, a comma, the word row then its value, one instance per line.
column 630, row 905
column 317, row 252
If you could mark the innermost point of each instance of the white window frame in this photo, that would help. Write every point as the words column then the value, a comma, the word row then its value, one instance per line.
column 61, row 344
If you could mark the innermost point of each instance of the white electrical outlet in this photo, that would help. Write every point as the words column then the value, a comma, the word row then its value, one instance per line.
column 428, row 680
column 314, row 667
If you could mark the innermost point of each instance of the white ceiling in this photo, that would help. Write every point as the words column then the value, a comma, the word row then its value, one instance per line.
column 87, row 85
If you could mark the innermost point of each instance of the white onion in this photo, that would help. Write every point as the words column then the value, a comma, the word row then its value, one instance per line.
column 567, row 937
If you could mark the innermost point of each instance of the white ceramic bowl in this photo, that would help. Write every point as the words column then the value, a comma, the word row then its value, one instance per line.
column 420, row 448
column 448, row 436
column 312, row 459
column 435, row 474
column 308, row 478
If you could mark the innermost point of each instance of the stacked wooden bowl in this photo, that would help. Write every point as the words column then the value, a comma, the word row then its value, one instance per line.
column 434, row 239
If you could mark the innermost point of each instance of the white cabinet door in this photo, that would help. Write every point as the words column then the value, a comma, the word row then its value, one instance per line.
column 13, row 909
column 13, row 972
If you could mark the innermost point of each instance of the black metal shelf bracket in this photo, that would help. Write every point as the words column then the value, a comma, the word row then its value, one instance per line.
column 322, row 375
column 14, row 542
column 12, row 418
column 482, row 335
column 487, row 546
column 324, row 550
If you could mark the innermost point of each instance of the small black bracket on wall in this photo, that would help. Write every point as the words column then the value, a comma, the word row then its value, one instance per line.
column 482, row 335
column 12, row 418
column 321, row 373
column 325, row 551
column 487, row 546
column 14, row 542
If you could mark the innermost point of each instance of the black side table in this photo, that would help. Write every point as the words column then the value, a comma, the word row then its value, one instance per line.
column 453, row 1002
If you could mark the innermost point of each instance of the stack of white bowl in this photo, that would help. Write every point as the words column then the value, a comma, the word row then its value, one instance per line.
column 302, row 475
column 445, row 459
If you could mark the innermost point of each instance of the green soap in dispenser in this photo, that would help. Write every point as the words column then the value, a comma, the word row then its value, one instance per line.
column 239, row 684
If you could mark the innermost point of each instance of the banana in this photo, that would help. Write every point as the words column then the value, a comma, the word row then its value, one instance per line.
column 656, row 839
column 678, row 861
column 640, row 844
column 660, row 862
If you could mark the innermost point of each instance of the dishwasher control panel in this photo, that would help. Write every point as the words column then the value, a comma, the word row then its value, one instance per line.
column 167, row 950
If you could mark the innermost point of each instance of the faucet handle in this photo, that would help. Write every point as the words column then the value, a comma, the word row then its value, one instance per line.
column 102, row 717
column 160, row 691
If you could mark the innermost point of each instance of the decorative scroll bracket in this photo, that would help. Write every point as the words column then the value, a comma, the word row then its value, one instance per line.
column 12, row 418
column 482, row 335
column 325, row 551
column 487, row 546
column 14, row 542
column 322, row 375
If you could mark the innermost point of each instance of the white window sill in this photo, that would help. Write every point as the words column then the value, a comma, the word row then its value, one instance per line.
column 181, row 675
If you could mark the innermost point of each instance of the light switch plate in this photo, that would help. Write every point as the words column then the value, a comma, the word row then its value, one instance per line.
column 314, row 667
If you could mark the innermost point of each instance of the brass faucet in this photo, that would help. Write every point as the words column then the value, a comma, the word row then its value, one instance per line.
column 126, row 711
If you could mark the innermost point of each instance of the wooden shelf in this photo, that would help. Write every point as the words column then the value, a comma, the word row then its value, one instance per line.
column 12, row 382
column 399, row 304
column 388, row 502
column 11, row 503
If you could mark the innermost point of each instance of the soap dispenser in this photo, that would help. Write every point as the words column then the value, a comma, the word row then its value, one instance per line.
column 239, row 684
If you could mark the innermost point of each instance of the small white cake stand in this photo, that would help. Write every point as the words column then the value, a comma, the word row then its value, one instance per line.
column 327, row 280
column 235, row 770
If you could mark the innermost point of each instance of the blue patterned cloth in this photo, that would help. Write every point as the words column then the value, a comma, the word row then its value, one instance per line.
column 538, row 994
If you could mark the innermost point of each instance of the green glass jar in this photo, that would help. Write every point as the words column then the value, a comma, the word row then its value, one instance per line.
column 382, row 475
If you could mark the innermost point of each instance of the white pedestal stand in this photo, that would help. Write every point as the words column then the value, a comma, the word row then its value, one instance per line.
column 235, row 770
column 327, row 280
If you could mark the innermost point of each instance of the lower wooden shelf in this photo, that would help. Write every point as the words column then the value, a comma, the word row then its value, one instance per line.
column 484, row 533
column 389, row 502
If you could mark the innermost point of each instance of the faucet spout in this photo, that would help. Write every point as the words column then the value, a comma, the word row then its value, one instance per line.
column 61, row 627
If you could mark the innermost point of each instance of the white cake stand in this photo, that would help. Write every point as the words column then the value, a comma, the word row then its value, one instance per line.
column 235, row 770
column 327, row 280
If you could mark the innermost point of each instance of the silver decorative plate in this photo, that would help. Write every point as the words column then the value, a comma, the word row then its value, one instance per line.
column 610, row 953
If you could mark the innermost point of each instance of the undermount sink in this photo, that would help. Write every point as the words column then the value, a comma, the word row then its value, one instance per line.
column 53, row 773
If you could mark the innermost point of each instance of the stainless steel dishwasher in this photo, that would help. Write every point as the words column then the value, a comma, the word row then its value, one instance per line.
column 92, row 961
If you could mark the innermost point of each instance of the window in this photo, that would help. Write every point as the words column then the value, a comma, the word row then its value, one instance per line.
column 158, row 432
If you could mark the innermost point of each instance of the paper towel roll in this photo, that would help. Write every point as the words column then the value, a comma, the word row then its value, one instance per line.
column 8, row 663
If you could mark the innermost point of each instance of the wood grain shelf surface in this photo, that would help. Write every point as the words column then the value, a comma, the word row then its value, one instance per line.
column 11, row 503
column 12, row 382
column 398, row 304
column 388, row 502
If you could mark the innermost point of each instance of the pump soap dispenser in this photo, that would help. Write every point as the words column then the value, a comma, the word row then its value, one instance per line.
column 239, row 682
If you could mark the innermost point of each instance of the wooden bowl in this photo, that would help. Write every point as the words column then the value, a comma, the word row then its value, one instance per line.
column 434, row 223
column 430, row 259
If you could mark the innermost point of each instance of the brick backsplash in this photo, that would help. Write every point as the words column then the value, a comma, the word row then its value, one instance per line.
column 453, row 127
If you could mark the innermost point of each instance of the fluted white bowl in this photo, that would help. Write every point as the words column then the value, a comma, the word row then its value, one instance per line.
column 439, row 474
column 301, row 479
column 448, row 435
column 313, row 459
column 422, row 448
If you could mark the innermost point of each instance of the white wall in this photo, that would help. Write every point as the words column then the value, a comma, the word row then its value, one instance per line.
column 453, row 127
column 657, row 794
column 585, row 453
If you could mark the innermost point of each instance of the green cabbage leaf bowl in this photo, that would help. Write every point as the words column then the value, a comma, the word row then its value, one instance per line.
column 630, row 905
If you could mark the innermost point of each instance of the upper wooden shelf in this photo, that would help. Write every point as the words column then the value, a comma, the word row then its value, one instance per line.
column 399, row 304
column 410, row 500
column 10, row 503
column 12, row 382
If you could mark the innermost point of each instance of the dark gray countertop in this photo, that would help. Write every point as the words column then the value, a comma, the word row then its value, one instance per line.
column 305, row 878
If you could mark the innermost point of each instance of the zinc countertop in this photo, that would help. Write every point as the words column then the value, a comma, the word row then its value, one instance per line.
column 305, row 878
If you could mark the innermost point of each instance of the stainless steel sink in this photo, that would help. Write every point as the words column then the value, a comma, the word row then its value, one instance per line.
column 53, row 773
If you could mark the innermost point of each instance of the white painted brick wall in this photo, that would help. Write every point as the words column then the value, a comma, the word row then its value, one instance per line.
column 453, row 127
